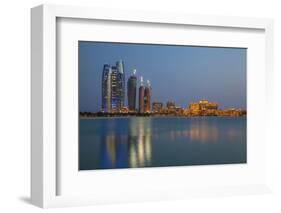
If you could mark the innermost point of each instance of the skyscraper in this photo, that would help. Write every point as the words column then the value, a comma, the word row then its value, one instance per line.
column 120, row 80
column 141, row 96
column 147, row 97
column 113, row 87
column 132, row 91
column 106, row 88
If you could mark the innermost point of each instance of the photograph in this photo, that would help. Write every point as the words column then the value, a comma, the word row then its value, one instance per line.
column 147, row 105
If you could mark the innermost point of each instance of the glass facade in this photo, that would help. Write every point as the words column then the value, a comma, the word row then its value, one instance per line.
column 132, row 92
column 113, row 87
column 147, row 98
column 106, row 88
column 120, row 82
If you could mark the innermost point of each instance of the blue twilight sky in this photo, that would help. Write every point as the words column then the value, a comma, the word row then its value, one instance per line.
column 177, row 73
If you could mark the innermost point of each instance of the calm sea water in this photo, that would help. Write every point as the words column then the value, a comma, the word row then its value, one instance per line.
column 107, row 143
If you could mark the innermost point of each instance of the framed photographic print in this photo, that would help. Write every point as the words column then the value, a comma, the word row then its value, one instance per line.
column 127, row 122
column 132, row 106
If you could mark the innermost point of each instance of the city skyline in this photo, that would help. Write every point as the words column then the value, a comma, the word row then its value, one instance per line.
column 173, row 91
column 113, row 91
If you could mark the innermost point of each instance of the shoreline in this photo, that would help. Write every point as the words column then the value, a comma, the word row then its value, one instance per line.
column 118, row 117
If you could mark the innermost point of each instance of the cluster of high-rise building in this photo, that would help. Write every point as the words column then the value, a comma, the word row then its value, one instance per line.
column 113, row 87
column 113, row 91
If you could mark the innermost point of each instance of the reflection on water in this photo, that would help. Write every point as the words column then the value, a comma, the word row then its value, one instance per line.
column 134, row 149
column 203, row 132
column 198, row 131
column 149, row 142
column 139, row 142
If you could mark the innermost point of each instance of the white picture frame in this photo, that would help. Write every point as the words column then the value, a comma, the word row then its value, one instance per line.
column 44, row 150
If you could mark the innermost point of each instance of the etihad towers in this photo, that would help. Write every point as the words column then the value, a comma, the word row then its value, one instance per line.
column 141, row 96
column 147, row 97
column 132, row 91
column 106, row 88
column 113, row 91
column 113, row 87
column 120, row 82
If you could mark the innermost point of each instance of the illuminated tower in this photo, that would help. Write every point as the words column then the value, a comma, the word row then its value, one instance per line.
column 147, row 97
column 120, row 85
column 141, row 96
column 114, row 90
column 106, row 88
column 132, row 91
column 113, row 87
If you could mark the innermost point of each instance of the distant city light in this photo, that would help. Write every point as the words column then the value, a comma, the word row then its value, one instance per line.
column 113, row 97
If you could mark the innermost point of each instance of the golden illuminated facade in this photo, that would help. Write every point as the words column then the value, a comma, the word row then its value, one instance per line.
column 200, row 108
column 203, row 107
column 157, row 107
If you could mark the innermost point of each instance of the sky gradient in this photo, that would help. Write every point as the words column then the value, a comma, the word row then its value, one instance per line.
column 182, row 74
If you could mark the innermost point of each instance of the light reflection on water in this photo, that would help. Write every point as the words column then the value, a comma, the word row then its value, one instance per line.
column 139, row 141
column 149, row 142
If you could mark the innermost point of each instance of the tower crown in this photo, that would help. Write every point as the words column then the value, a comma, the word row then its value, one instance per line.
column 148, row 83
column 141, row 81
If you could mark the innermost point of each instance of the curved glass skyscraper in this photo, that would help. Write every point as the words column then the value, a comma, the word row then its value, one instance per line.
column 141, row 96
column 120, row 82
column 106, row 88
column 147, row 97
column 132, row 91
column 113, row 87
